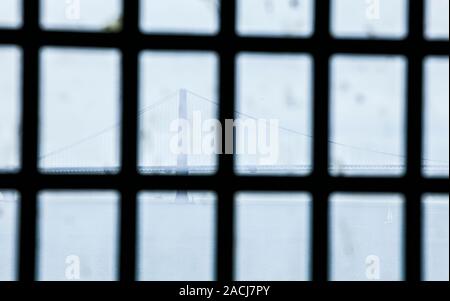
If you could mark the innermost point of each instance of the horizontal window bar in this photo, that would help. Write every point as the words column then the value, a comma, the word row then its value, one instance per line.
column 266, row 183
column 220, row 43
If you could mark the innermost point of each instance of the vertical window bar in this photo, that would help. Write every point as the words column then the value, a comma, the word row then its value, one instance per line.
column 30, row 122
column 129, row 79
column 225, row 207
column 413, row 236
column 320, row 149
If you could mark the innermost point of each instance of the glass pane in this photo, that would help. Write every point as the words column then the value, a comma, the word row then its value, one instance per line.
column 80, row 111
column 273, row 118
column 176, row 236
column 370, row 19
column 367, row 116
column 436, row 233
column 180, row 16
column 437, row 19
column 436, row 140
column 10, row 98
column 10, row 13
column 9, row 206
column 82, row 15
column 275, row 17
column 273, row 237
column 366, row 237
column 178, row 110
column 77, row 236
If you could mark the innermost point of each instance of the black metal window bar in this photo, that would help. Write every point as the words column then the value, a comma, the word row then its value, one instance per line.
column 227, row 44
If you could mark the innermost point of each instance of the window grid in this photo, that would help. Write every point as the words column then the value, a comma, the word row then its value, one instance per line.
column 321, row 45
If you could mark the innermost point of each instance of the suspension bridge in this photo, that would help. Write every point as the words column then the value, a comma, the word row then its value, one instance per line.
column 183, row 164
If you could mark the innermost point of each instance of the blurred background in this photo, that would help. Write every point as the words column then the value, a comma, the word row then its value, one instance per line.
column 80, row 134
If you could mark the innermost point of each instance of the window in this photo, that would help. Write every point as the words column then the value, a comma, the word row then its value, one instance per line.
column 273, row 88
column 175, row 87
column 367, row 115
column 275, row 18
column 9, row 204
column 366, row 233
column 437, row 16
column 370, row 19
column 436, row 129
column 77, row 235
column 10, row 108
column 10, row 15
column 180, row 16
column 99, row 182
column 176, row 235
column 273, row 239
column 80, row 104
column 81, row 15
column 436, row 237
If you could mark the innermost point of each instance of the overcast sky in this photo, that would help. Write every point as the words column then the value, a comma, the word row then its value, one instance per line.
column 80, row 126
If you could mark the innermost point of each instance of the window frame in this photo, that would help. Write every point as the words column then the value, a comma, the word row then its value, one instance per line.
column 227, row 45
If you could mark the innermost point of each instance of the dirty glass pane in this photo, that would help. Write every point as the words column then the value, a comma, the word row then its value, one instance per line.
column 176, row 236
column 9, row 213
column 180, row 16
column 367, row 116
column 436, row 123
column 10, row 13
column 178, row 113
column 437, row 19
column 79, row 112
column 10, row 99
column 275, row 17
column 370, row 19
column 273, row 236
column 81, row 15
column 273, row 117
column 78, row 234
column 436, row 233
column 366, row 237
